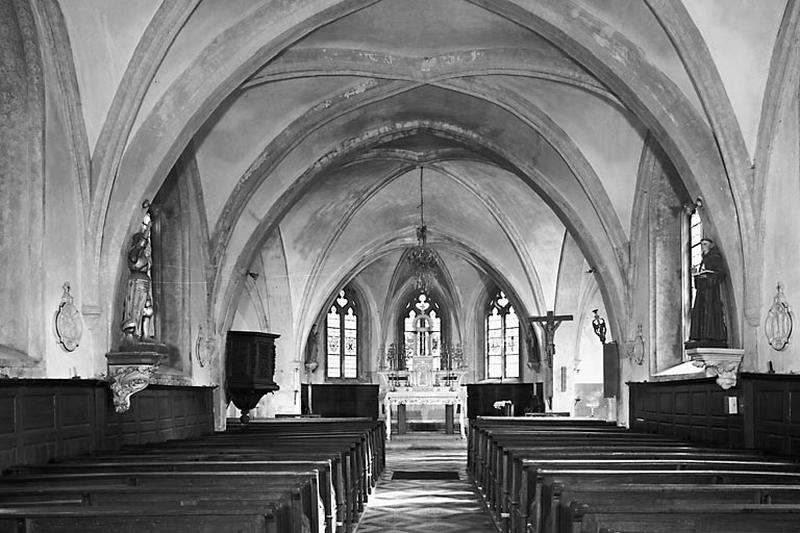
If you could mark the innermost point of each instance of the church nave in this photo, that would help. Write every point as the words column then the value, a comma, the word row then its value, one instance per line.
column 426, row 505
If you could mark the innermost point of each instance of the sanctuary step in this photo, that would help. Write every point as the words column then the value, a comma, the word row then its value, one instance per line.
column 426, row 426
column 425, row 488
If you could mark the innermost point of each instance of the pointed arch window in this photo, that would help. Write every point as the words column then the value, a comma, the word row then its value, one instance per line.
column 341, row 337
column 502, row 339
column 694, row 256
column 422, row 330
column 695, row 236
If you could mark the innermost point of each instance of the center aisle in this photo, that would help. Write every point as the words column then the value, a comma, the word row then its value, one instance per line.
column 419, row 504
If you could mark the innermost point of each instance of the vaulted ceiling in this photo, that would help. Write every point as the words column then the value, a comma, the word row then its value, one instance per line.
column 311, row 119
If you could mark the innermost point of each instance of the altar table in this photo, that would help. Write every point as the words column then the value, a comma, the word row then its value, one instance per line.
column 431, row 396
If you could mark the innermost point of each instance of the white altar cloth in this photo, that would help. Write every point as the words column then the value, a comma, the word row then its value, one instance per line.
column 431, row 396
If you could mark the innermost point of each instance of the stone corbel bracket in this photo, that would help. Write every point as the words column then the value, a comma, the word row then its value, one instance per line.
column 722, row 363
column 129, row 373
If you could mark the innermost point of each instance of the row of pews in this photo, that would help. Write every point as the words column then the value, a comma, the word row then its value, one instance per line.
column 568, row 475
column 276, row 476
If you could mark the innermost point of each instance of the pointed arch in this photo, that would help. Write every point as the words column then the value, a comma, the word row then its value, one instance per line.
column 524, row 168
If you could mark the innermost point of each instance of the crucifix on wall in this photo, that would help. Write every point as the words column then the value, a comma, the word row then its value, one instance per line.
column 549, row 324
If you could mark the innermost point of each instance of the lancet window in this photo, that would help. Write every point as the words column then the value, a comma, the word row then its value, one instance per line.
column 341, row 337
column 694, row 256
column 422, row 331
column 502, row 339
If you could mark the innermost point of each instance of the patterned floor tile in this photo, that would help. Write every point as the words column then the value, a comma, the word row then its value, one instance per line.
column 426, row 506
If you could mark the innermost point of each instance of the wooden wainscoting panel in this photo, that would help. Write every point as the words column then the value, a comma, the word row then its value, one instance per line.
column 42, row 420
column 75, row 409
column 38, row 411
column 690, row 409
column 776, row 400
column 769, row 402
column 8, row 413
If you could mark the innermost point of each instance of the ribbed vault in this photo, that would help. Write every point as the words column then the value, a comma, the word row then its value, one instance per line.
column 329, row 104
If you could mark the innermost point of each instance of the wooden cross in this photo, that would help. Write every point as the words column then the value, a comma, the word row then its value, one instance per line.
column 550, row 323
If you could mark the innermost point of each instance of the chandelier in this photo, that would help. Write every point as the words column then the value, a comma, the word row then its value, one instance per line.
column 422, row 258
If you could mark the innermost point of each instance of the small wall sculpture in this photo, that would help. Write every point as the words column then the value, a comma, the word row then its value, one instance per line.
column 635, row 347
column 67, row 322
column 779, row 323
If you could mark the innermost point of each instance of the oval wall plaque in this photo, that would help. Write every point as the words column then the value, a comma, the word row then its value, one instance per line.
column 778, row 324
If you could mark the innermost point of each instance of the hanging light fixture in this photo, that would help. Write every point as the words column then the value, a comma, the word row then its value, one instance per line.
column 422, row 258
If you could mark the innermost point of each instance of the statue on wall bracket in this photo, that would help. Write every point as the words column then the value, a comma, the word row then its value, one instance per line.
column 131, row 367
column 708, row 329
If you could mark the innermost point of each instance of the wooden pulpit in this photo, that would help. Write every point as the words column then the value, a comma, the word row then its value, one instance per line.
column 250, row 369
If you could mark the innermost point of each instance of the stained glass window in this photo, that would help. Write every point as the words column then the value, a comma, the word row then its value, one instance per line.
column 342, row 337
column 696, row 233
column 502, row 339
column 422, row 330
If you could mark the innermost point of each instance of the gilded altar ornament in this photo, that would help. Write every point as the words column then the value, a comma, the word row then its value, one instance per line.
column 67, row 321
column 778, row 324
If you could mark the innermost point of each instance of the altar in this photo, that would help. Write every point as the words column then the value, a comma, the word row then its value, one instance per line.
column 425, row 371
column 404, row 388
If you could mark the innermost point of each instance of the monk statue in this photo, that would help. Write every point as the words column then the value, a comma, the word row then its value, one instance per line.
column 708, row 319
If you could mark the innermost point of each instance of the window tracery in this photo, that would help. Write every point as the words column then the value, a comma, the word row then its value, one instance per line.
column 341, row 332
column 422, row 331
column 502, row 339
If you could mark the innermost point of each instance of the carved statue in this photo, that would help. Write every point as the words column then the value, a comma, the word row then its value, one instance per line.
column 312, row 349
column 391, row 356
column 708, row 319
column 138, row 306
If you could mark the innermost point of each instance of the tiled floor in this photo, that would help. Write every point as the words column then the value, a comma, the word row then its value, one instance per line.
column 435, row 506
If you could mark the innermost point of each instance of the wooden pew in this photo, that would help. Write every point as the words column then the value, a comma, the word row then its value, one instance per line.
column 361, row 443
column 319, row 505
column 478, row 425
column 297, row 489
column 721, row 518
column 328, row 479
column 500, row 478
column 511, row 476
column 248, row 462
column 532, row 517
column 535, row 451
column 501, row 475
column 351, row 472
column 130, row 519
column 572, row 500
